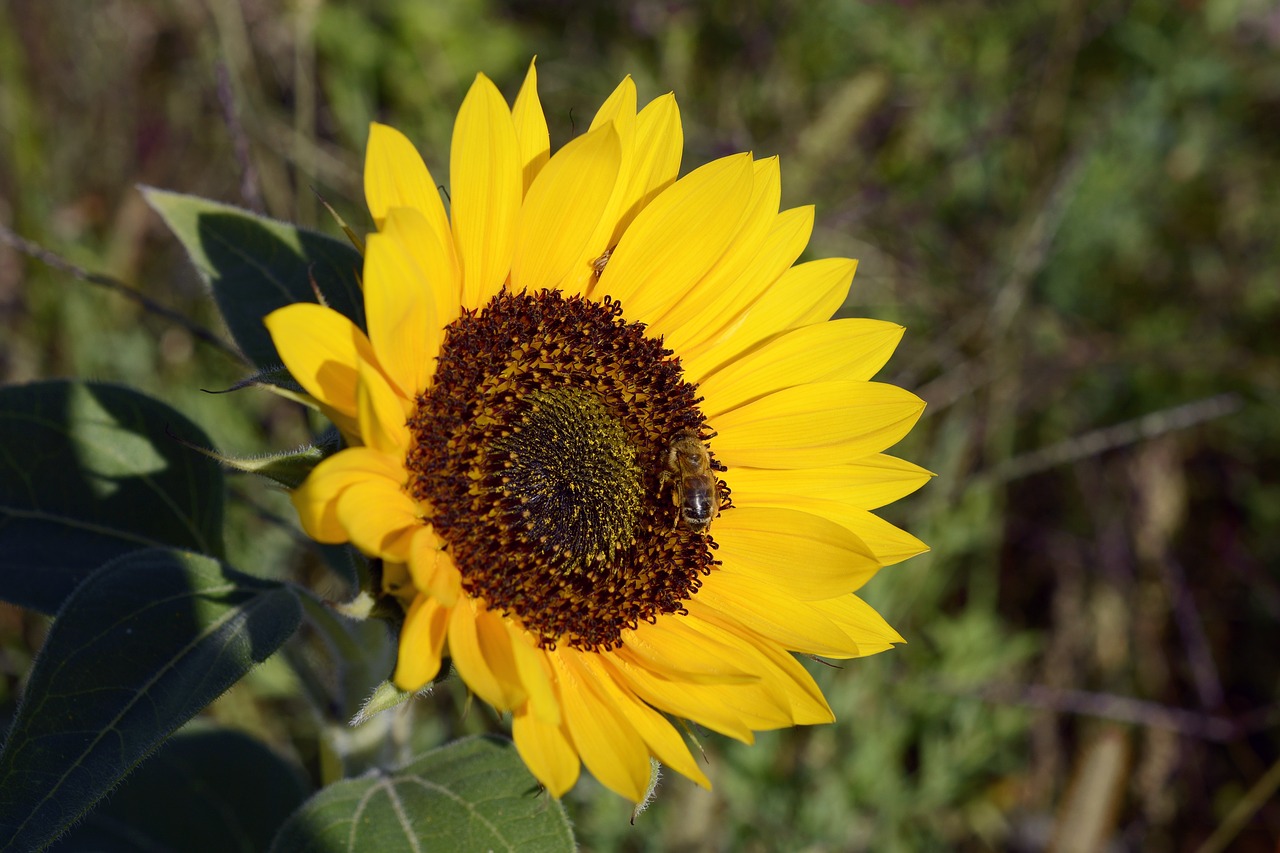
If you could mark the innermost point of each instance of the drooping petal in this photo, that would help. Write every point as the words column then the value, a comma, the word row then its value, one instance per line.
column 535, row 674
column 316, row 499
column 563, row 209
column 485, row 176
column 446, row 584
column 816, row 424
column 477, row 652
column 549, row 754
column 852, row 348
column 422, row 639
column 322, row 350
column 395, row 176
column 381, row 411
column 532, row 138
column 609, row 744
column 379, row 518
column 809, row 557
column 658, row 735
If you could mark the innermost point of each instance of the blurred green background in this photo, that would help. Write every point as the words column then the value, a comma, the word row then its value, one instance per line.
column 1073, row 207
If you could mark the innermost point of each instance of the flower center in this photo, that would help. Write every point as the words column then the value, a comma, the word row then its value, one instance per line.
column 542, row 450
column 567, row 479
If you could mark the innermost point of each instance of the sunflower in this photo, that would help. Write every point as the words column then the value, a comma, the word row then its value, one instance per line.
column 617, row 461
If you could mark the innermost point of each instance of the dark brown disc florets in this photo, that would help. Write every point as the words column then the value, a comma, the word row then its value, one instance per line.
column 540, row 449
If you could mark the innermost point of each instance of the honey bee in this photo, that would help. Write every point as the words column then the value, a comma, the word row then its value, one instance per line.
column 695, row 490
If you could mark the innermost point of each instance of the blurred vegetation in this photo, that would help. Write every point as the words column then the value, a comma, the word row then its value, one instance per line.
column 1072, row 206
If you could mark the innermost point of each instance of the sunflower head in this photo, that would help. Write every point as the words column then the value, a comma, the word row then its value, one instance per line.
column 560, row 379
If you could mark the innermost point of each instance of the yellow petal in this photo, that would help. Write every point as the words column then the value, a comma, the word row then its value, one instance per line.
column 316, row 499
column 395, row 176
column 379, row 517
column 381, row 412
column 809, row 557
column 722, row 311
column 701, row 704
column 772, row 614
column 674, row 647
column 470, row 656
column 532, row 139
column 487, row 185
column 619, row 107
column 821, row 423
column 733, row 710
column 739, row 257
column 446, row 584
column 426, row 552
column 563, row 209
column 868, row 483
column 321, row 348
column 889, row 544
column 663, row 741
column 609, row 745
column 400, row 311
column 805, row 294
column 421, row 644
column 435, row 256
column 659, row 144
column 851, row 348
column 786, row 678
column 859, row 621
column 678, row 237
column 497, row 645
column 546, row 752
column 534, row 671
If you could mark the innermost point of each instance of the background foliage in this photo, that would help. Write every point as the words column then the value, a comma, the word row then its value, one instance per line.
column 1071, row 206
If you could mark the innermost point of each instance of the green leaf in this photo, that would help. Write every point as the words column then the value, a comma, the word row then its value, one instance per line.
column 255, row 265
column 138, row 649
column 88, row 472
column 216, row 791
column 474, row 794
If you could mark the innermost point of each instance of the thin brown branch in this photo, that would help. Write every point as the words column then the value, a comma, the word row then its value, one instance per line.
column 1109, row 438
column 57, row 262
column 1108, row 706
